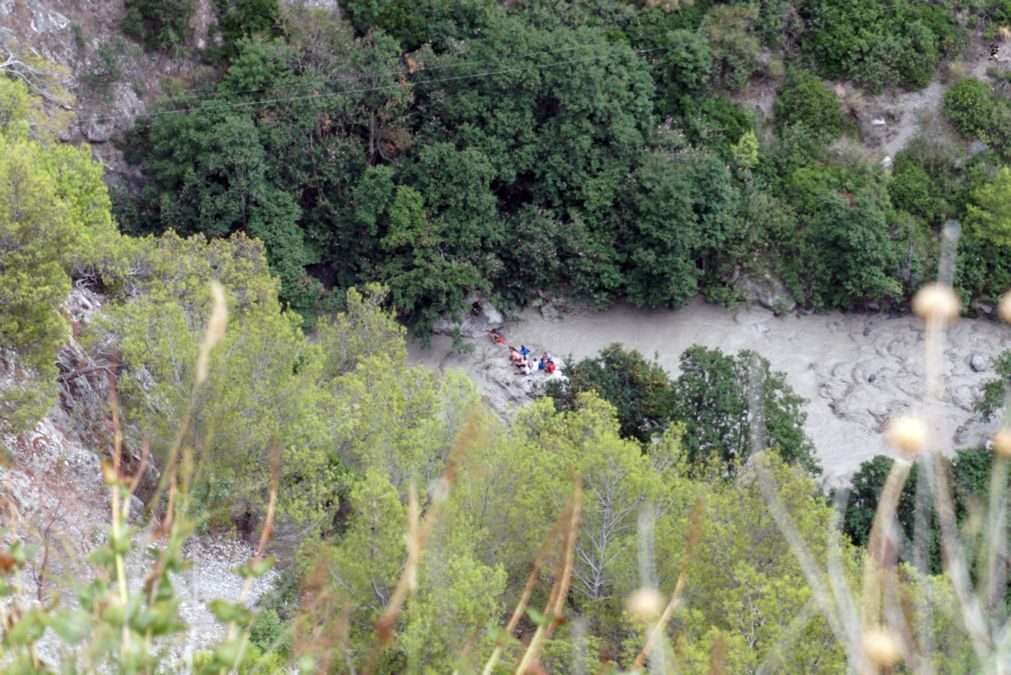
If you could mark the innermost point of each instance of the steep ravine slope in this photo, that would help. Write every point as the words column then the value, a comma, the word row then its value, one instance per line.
column 53, row 498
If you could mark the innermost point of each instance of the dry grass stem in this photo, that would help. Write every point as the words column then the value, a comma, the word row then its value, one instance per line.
column 559, row 590
column 546, row 547
column 656, row 632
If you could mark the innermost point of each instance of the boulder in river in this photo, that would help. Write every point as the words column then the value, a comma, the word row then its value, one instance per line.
column 978, row 362
column 767, row 290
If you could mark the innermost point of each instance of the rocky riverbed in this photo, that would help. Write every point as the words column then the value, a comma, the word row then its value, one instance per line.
column 855, row 370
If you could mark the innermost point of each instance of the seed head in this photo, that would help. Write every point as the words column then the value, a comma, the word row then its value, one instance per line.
column 215, row 330
column 1004, row 308
column 907, row 434
column 881, row 649
column 936, row 302
column 1002, row 443
column 645, row 604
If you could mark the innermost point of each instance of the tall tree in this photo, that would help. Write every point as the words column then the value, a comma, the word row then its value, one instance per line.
column 679, row 210
column 716, row 397
column 55, row 225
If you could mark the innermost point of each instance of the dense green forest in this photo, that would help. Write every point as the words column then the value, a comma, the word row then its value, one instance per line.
column 337, row 181
column 598, row 150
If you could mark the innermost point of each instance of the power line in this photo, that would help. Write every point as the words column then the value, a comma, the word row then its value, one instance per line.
column 396, row 85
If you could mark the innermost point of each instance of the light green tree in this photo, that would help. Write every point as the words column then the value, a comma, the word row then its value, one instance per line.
column 265, row 394
column 745, row 586
column 54, row 224
column 365, row 564
column 448, row 623
column 989, row 212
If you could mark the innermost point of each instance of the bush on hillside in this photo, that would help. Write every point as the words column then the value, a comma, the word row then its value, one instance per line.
column 805, row 101
column 877, row 44
column 969, row 105
column 158, row 24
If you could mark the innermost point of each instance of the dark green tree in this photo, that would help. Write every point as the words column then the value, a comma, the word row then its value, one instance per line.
column 158, row 24
column 415, row 22
column 639, row 389
column 210, row 174
column 683, row 68
column 562, row 127
column 240, row 20
column 969, row 477
column 679, row 211
column 864, row 493
column 850, row 256
column 712, row 400
column 440, row 235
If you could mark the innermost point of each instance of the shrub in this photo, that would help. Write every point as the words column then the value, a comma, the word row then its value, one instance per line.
column 911, row 189
column 997, row 15
column 716, row 122
column 158, row 24
column 807, row 102
column 106, row 70
column 969, row 105
column 879, row 44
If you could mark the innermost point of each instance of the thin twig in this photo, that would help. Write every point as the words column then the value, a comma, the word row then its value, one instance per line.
column 559, row 590
column 694, row 535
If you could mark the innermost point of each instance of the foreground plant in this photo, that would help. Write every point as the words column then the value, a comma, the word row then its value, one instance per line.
column 880, row 626
column 117, row 624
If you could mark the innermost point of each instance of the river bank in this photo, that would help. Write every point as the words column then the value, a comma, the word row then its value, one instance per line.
column 855, row 370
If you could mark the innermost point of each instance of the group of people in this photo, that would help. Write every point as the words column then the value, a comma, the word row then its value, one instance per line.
column 524, row 362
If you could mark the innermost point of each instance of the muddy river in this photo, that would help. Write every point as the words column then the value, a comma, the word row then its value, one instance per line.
column 855, row 370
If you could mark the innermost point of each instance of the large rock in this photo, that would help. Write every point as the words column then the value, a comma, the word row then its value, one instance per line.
column 46, row 20
column 978, row 362
column 550, row 311
column 767, row 290
column 124, row 107
column 474, row 322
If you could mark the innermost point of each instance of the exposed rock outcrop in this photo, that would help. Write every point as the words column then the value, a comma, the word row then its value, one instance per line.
column 480, row 317
column 766, row 290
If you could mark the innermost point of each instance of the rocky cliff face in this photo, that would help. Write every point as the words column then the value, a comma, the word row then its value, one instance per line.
column 110, row 77
column 53, row 498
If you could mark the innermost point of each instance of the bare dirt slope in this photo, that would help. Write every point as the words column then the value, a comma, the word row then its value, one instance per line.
column 856, row 371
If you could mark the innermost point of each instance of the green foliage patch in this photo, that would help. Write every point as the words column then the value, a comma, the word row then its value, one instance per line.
column 158, row 24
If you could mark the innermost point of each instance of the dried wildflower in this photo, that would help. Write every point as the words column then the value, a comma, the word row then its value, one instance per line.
column 645, row 604
column 880, row 648
column 936, row 302
column 907, row 434
column 1002, row 443
column 1004, row 308
column 215, row 330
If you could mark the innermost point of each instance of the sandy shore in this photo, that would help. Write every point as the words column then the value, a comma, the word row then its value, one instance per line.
column 855, row 370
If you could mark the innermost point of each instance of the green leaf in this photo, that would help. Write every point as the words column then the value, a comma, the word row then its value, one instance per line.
column 73, row 625
column 256, row 568
column 228, row 612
